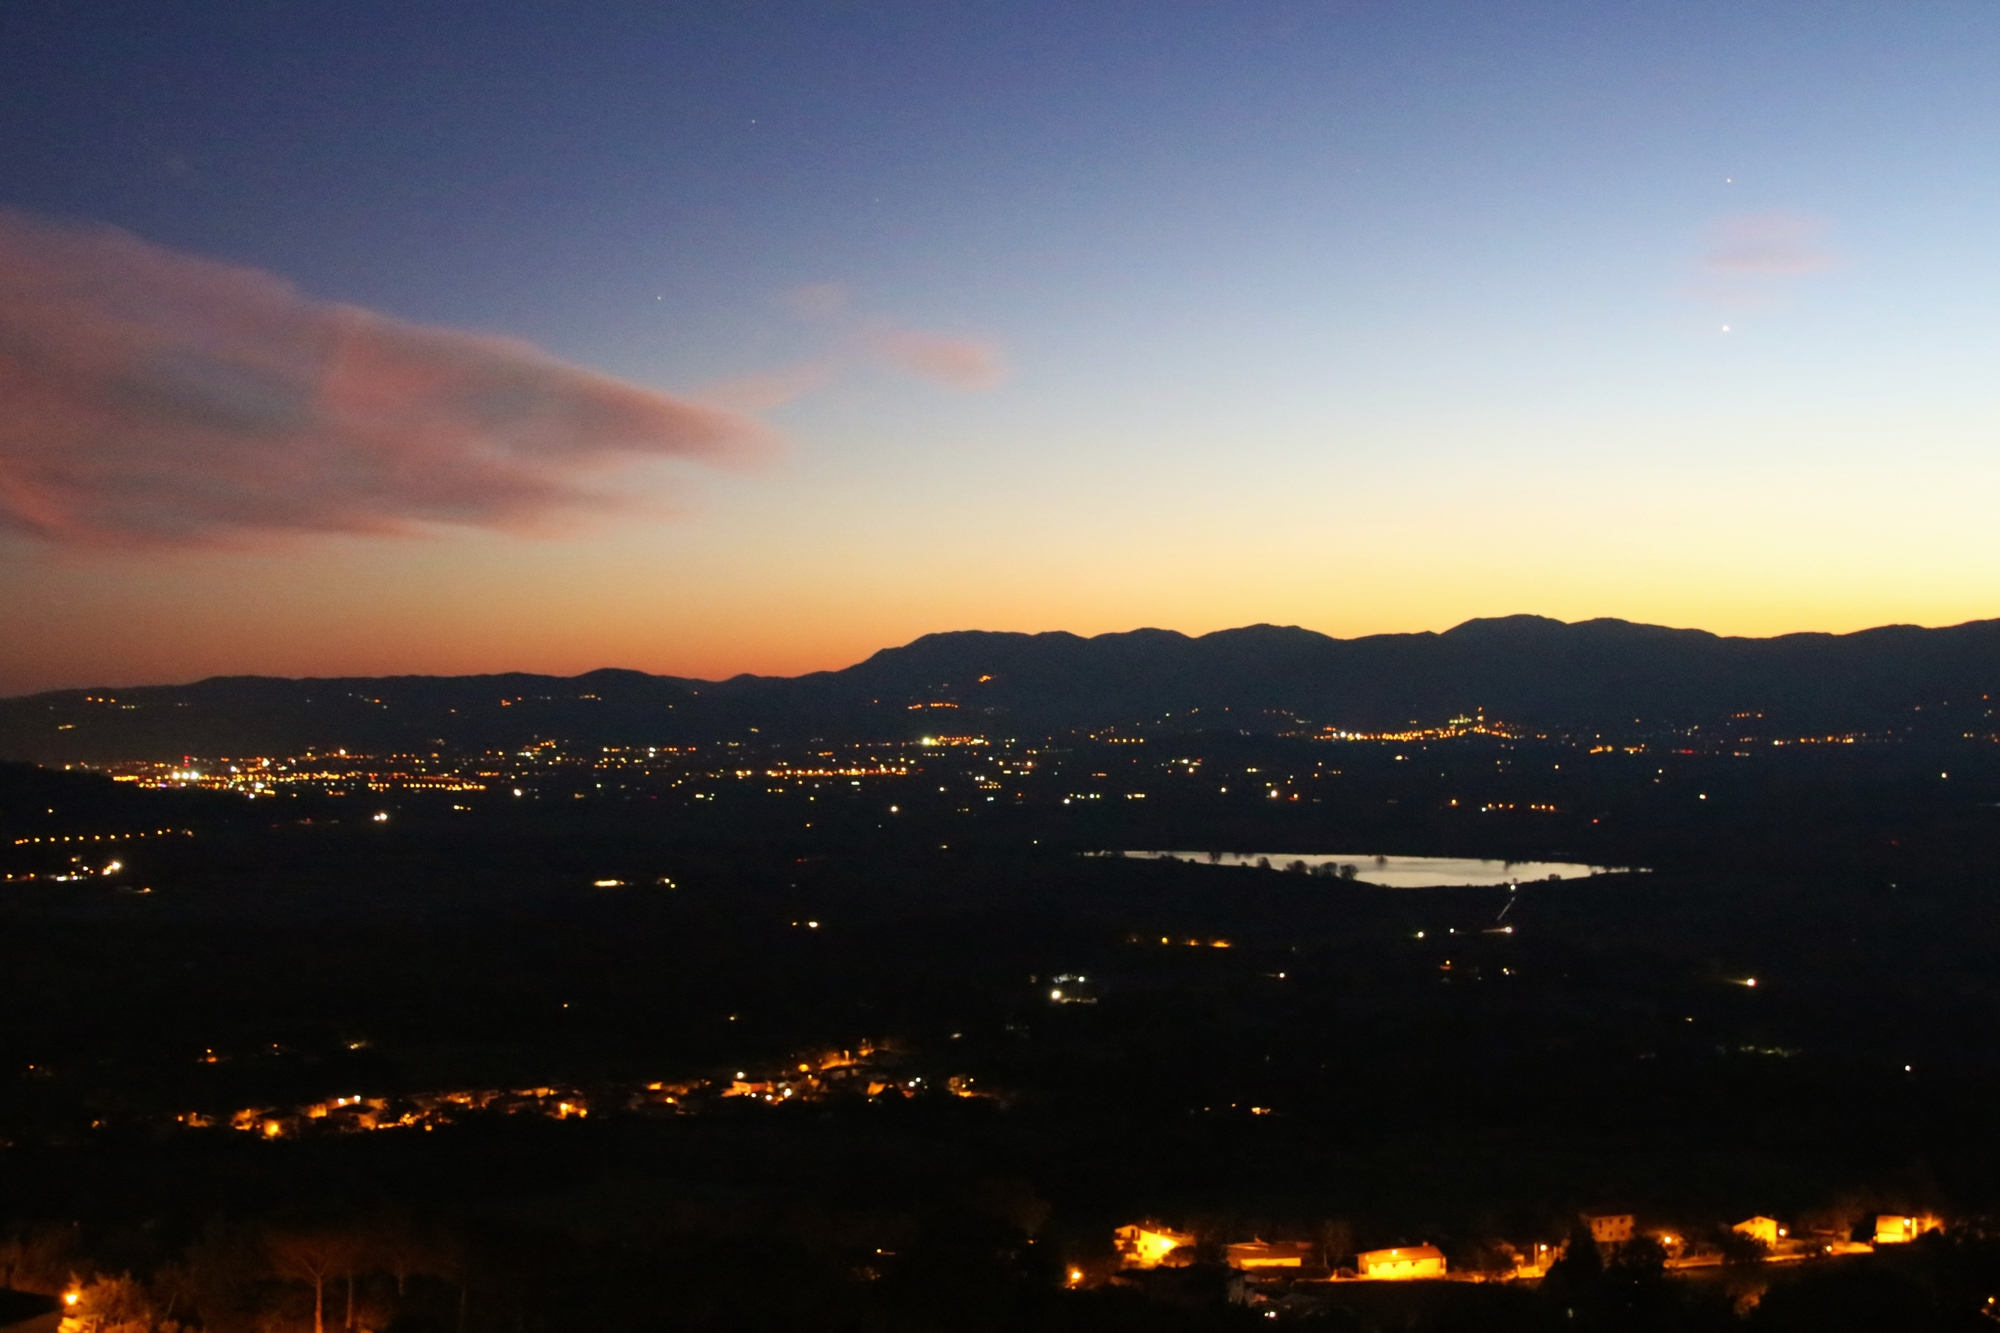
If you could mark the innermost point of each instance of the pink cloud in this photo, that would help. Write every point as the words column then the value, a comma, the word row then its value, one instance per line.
column 818, row 300
column 152, row 398
column 962, row 363
column 1766, row 245
column 766, row 389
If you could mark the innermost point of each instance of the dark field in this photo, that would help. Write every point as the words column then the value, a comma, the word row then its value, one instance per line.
column 1331, row 1075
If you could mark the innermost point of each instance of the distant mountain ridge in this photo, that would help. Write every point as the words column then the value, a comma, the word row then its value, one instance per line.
column 1610, row 674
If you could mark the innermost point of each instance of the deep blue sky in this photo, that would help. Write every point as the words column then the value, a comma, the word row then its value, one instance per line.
column 1364, row 316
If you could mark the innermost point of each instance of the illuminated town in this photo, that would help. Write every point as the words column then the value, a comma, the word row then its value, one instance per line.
column 864, row 1072
column 1272, row 1022
column 1090, row 765
column 1039, row 666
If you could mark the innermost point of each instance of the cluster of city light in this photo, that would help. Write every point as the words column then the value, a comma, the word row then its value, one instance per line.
column 859, row 1070
column 54, row 839
column 540, row 770
column 1454, row 729
column 1150, row 1244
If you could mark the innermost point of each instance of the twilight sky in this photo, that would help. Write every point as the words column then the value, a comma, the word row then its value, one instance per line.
column 703, row 338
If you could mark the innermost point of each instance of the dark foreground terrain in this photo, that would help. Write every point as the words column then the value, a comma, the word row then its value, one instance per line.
column 704, row 1048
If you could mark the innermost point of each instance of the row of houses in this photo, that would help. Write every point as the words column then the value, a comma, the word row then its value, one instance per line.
column 1778, row 1240
column 1150, row 1245
column 863, row 1071
column 1146, row 1245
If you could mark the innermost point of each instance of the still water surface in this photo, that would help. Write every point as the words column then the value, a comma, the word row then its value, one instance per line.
column 1405, row 872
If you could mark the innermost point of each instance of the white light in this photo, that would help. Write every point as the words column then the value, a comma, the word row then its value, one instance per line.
column 381, row 816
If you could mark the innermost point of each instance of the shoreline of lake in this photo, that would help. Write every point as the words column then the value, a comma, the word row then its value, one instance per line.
column 1396, row 872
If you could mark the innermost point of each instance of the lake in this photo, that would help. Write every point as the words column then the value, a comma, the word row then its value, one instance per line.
column 1405, row 872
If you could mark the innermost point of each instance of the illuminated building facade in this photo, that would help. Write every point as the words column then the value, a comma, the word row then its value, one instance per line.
column 1148, row 1245
column 1609, row 1228
column 1258, row 1254
column 1403, row 1264
column 1898, row 1229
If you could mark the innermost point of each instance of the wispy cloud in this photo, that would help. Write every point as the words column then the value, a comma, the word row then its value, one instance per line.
column 765, row 389
column 817, row 300
column 957, row 361
column 962, row 363
column 1766, row 245
column 150, row 398
column 1754, row 260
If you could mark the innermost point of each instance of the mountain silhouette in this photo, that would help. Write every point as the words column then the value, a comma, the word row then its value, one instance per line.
column 1532, row 671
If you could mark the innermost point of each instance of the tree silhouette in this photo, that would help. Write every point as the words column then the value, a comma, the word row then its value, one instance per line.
column 36, row 1258
column 403, row 1249
column 313, row 1257
column 115, row 1305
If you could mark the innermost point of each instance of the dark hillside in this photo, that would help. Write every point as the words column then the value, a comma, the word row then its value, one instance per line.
column 1600, row 674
